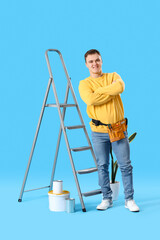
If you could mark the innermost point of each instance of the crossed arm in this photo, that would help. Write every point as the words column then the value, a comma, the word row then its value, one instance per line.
column 102, row 94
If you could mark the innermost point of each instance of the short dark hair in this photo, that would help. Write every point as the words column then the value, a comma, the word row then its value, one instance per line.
column 90, row 52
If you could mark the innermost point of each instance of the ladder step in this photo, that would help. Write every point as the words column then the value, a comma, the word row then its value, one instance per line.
column 61, row 105
column 89, row 170
column 80, row 149
column 75, row 127
column 91, row 193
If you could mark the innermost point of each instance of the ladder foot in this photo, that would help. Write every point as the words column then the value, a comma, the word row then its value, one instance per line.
column 19, row 200
column 83, row 209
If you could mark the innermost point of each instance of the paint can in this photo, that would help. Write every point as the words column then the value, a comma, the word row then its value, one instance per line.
column 57, row 186
column 70, row 205
column 57, row 202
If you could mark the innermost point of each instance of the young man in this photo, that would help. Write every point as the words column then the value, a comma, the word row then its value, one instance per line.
column 101, row 92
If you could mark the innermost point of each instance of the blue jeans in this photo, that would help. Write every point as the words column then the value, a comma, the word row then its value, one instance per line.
column 101, row 145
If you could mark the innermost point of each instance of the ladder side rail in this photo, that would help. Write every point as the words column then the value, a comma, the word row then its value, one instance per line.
column 35, row 140
column 67, row 144
column 72, row 91
column 47, row 59
column 78, row 109
column 62, row 124
column 59, row 138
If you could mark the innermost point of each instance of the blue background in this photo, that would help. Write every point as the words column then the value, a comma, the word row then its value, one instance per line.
column 127, row 34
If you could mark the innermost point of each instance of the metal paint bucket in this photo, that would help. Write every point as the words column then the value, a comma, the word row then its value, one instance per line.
column 57, row 186
column 57, row 202
column 70, row 205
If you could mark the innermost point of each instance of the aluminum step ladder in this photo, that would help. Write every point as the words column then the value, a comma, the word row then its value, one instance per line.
column 63, row 128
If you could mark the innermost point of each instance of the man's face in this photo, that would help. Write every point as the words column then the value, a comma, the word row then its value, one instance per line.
column 94, row 63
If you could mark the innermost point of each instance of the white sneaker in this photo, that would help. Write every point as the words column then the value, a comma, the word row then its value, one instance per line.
column 131, row 205
column 106, row 203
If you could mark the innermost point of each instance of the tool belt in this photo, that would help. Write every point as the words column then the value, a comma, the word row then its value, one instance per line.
column 115, row 130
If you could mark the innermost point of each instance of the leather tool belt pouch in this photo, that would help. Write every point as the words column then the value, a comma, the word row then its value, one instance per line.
column 116, row 130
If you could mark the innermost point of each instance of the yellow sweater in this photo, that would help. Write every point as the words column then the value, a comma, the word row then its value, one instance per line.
column 103, row 100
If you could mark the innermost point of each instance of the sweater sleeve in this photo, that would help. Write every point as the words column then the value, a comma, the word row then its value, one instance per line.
column 90, row 97
column 113, row 89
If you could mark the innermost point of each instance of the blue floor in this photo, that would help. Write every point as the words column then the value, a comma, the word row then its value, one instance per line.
column 31, row 219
